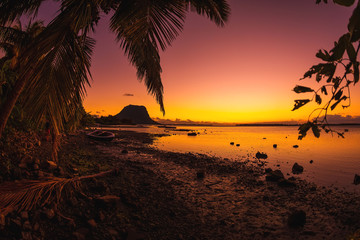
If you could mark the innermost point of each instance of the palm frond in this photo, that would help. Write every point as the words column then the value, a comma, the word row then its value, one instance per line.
column 217, row 11
column 10, row 10
column 142, row 26
column 26, row 194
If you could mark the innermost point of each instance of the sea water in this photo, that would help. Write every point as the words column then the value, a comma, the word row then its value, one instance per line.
column 335, row 160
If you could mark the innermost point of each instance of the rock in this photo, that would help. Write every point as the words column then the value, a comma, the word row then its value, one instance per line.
column 26, row 235
column 356, row 179
column 286, row 183
column 297, row 219
column 274, row 145
column 124, row 151
column 50, row 214
column 267, row 170
column 133, row 235
column 101, row 216
column 81, row 233
column 22, row 165
column 24, row 215
column 59, row 171
column 311, row 161
column 92, row 223
column 274, row 176
column 297, row 169
column 113, row 232
column 260, row 155
column 238, row 145
column 313, row 188
column 232, row 143
column 27, row 226
column 2, row 220
column 295, row 146
column 200, row 175
column 192, row 134
column 36, row 227
column 36, row 166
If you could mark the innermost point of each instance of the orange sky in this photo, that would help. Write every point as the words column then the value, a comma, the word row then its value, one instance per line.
column 241, row 73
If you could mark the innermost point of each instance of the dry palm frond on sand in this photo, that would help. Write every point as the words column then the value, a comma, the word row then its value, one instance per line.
column 24, row 195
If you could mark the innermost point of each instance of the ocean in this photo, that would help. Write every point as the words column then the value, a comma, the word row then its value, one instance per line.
column 327, row 161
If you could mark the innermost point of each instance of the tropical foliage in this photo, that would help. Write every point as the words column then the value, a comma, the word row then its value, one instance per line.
column 339, row 70
column 55, row 65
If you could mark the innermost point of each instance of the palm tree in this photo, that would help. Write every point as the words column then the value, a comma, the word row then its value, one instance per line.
column 142, row 28
column 55, row 92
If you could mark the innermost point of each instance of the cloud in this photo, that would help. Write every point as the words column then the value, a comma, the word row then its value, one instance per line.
column 128, row 95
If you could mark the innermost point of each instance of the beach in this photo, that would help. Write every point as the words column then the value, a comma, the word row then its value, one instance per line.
column 155, row 194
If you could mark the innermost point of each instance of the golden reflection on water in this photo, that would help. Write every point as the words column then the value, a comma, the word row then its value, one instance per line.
column 336, row 160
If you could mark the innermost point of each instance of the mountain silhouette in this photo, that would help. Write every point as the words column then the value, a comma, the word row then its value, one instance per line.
column 135, row 114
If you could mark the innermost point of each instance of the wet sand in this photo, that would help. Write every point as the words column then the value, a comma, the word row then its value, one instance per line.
column 165, row 195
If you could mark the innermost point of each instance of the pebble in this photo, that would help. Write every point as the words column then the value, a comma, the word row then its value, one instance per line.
column 297, row 219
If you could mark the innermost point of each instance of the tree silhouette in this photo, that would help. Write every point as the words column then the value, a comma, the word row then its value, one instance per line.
column 339, row 69
column 142, row 28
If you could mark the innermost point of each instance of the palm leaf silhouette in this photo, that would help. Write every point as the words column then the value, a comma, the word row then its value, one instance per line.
column 24, row 195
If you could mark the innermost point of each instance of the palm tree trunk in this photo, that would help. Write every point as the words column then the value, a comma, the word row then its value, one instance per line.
column 10, row 102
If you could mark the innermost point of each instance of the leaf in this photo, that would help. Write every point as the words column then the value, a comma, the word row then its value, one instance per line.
column 316, row 131
column 338, row 95
column 323, row 90
column 337, row 102
column 318, row 99
column 351, row 52
column 299, row 103
column 339, row 48
column 323, row 55
column 346, row 3
column 303, row 130
column 302, row 89
column 354, row 22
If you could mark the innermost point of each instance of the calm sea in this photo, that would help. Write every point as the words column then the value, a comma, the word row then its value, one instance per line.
column 335, row 160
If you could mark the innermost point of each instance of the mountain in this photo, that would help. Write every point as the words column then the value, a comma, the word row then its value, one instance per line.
column 135, row 114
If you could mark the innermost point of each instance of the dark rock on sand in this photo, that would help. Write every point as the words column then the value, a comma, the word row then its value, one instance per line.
column 238, row 145
column 260, row 155
column 124, row 151
column 295, row 146
column 297, row 219
column 356, row 179
column 192, row 134
column 267, row 170
column 232, row 143
column 274, row 176
column 200, row 175
column 297, row 169
column 274, row 145
column 311, row 161
column 286, row 183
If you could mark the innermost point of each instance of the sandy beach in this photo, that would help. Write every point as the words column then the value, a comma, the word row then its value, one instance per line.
column 164, row 195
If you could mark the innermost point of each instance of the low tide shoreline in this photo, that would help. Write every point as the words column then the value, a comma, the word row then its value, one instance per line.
column 164, row 195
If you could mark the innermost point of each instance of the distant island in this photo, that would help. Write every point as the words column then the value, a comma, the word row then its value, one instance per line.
column 131, row 114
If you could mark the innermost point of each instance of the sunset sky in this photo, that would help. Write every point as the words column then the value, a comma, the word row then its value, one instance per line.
column 243, row 72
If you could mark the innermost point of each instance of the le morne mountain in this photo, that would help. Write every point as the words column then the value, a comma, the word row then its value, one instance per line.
column 131, row 114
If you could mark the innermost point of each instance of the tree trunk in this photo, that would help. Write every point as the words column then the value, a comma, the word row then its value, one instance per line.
column 10, row 102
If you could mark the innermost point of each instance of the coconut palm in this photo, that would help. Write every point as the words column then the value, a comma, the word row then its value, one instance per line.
column 142, row 28
column 55, row 92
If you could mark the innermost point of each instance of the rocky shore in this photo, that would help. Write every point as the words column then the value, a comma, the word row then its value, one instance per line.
column 154, row 194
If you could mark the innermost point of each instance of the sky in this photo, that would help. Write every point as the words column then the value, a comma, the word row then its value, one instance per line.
column 242, row 73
